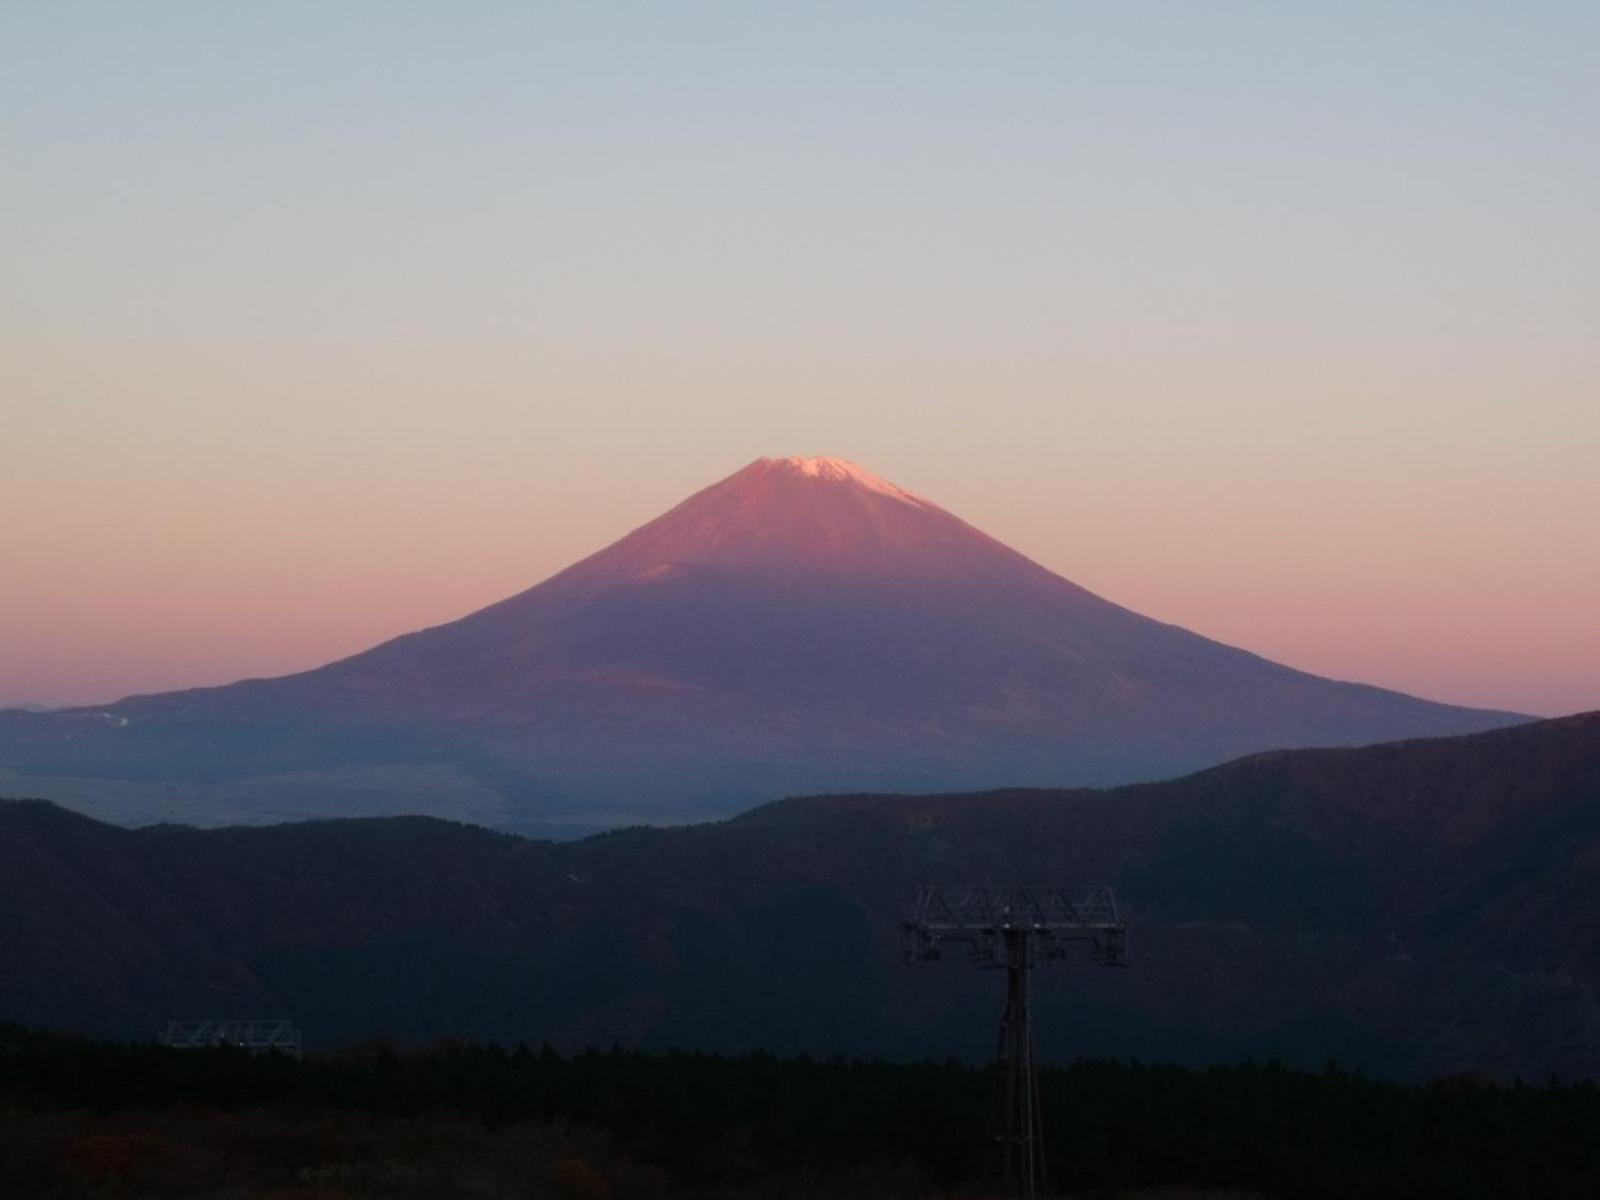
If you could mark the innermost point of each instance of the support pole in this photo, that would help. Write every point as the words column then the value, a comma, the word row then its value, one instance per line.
column 1013, row 928
column 1017, row 1128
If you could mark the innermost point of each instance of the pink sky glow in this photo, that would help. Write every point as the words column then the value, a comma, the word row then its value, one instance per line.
column 323, row 323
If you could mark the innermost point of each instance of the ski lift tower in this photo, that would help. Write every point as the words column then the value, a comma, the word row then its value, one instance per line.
column 1014, row 928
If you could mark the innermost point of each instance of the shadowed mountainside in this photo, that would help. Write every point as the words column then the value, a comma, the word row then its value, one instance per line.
column 800, row 626
column 1411, row 908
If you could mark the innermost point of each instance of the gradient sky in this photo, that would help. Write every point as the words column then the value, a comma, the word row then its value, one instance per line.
column 319, row 323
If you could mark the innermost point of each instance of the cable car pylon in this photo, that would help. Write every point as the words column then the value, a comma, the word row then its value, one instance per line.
column 1013, row 928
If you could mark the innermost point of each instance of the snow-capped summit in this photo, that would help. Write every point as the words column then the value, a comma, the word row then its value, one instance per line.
column 841, row 470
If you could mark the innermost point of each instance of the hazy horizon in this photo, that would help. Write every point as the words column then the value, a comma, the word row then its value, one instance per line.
column 325, row 324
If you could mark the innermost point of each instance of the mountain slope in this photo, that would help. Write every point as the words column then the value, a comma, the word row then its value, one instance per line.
column 801, row 625
column 1414, row 908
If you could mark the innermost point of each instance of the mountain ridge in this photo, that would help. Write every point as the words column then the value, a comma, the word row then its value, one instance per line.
column 1411, row 908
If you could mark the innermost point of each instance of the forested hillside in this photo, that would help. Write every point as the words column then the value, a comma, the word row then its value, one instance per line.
column 1413, row 909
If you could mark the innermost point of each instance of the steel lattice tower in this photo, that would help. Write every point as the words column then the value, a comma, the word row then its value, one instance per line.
column 1012, row 928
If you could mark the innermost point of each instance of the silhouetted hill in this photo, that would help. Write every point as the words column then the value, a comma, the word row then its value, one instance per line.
column 799, row 626
column 1414, row 908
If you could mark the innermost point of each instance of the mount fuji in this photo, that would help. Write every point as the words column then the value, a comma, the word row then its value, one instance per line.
column 801, row 626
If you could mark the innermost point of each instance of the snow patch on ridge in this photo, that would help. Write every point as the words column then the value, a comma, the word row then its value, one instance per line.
column 839, row 470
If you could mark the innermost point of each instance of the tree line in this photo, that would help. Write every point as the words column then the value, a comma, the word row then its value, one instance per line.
column 1110, row 1126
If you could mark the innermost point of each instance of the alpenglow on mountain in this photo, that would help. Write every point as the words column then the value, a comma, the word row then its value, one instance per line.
column 801, row 626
